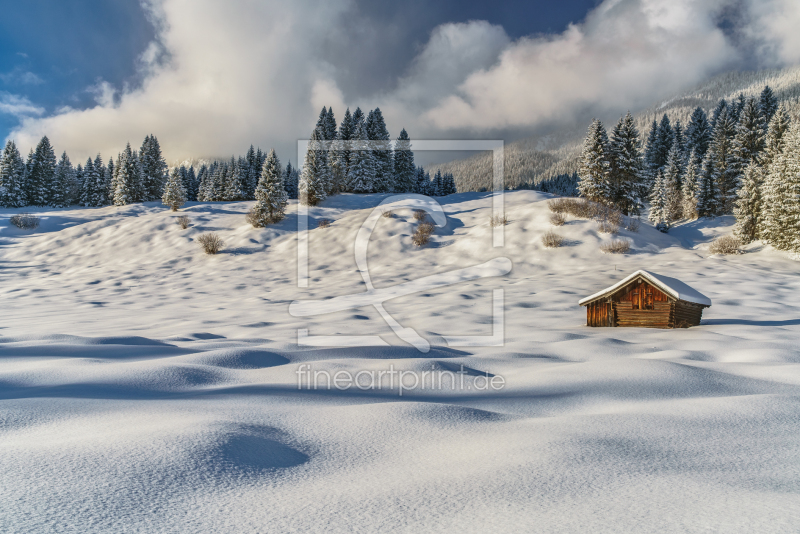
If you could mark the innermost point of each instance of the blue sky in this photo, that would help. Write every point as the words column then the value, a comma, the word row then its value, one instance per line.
column 210, row 77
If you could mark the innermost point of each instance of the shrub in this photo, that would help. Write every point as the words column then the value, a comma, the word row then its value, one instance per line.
column 423, row 234
column 388, row 214
column 552, row 240
column 211, row 243
column 324, row 223
column 183, row 221
column 608, row 227
column 557, row 219
column 725, row 245
column 498, row 220
column 26, row 221
column 662, row 227
column 420, row 215
column 558, row 205
column 616, row 246
column 633, row 225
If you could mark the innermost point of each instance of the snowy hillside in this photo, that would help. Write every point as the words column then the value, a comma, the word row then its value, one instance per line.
column 537, row 158
column 146, row 386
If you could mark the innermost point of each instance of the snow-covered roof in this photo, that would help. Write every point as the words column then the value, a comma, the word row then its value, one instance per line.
column 671, row 286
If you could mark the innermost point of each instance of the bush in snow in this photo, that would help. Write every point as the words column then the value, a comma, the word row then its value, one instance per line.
column 557, row 219
column 388, row 214
column 423, row 234
column 725, row 245
column 633, row 225
column 419, row 215
column 552, row 240
column 616, row 246
column 608, row 227
column 183, row 221
column 26, row 221
column 211, row 243
column 324, row 223
column 498, row 220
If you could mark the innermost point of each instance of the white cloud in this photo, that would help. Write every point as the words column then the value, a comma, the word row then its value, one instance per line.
column 223, row 75
column 20, row 76
column 17, row 105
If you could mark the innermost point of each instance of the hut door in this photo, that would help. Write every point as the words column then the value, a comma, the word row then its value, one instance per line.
column 648, row 298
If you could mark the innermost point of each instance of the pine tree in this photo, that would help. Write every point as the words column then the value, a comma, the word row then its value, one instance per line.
column 707, row 194
column 768, row 104
column 63, row 182
column 271, row 197
column 775, row 189
column 251, row 173
column 361, row 168
column 679, row 139
column 436, row 184
column 748, row 204
column 205, row 183
column 420, row 182
column 722, row 105
column 237, row 179
column 626, row 173
column 330, row 125
column 750, row 137
column 698, row 134
column 673, row 185
column 382, row 154
column 404, row 170
column 12, row 174
column 658, row 200
column 41, row 174
column 735, row 108
column 153, row 170
column 664, row 142
column 312, row 187
column 102, row 185
column 650, row 152
column 722, row 158
column 90, row 178
column 594, row 165
column 339, row 157
column 290, row 181
column 109, row 182
column 691, row 187
column 127, row 185
column 174, row 194
column 191, row 185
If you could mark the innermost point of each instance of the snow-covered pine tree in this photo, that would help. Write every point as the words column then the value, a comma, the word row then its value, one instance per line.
column 449, row 184
column 420, row 183
column 204, row 183
column 775, row 188
column 313, row 183
column 90, row 178
column 768, row 104
column 436, row 184
column 271, row 197
column 339, row 157
column 679, row 139
column 361, row 168
column 666, row 137
column 750, row 138
column 101, row 188
column 722, row 158
column 191, row 185
column 650, row 153
column 128, row 184
column 290, row 181
column 721, row 106
column 382, row 153
column 736, row 107
column 404, row 170
column 174, row 194
column 673, row 185
column 322, row 124
column 153, row 169
column 251, row 173
column 12, row 174
column 41, row 174
column 330, row 125
column 748, row 204
column 691, row 186
column 658, row 200
column 78, row 191
column 594, row 165
column 698, row 134
column 626, row 172
column 222, row 176
column 707, row 194
column 110, row 170
column 62, row 183
column 236, row 186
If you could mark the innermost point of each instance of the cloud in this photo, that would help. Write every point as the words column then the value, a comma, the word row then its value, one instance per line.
column 19, row 76
column 221, row 76
column 18, row 106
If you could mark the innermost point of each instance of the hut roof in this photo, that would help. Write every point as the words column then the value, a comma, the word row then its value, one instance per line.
column 671, row 286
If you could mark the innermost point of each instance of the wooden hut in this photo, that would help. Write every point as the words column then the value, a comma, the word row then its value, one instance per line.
column 646, row 299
